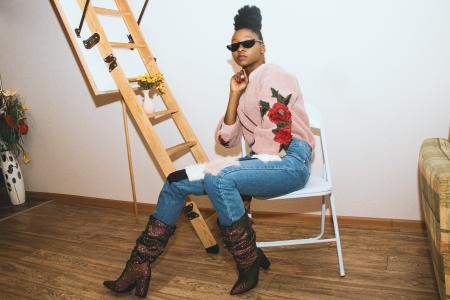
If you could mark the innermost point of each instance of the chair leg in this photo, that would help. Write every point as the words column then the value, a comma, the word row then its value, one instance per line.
column 322, row 221
column 337, row 235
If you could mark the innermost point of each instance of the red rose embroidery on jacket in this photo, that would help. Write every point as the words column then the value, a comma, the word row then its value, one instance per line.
column 280, row 115
column 283, row 135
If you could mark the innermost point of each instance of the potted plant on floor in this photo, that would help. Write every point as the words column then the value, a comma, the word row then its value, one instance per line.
column 12, row 128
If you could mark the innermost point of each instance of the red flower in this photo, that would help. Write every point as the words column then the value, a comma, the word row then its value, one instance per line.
column 9, row 120
column 23, row 128
column 283, row 135
column 279, row 113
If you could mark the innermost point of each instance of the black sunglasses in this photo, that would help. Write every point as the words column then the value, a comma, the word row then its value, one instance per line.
column 247, row 44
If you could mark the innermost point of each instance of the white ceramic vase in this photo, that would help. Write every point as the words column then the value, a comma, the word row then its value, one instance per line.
column 148, row 105
column 13, row 177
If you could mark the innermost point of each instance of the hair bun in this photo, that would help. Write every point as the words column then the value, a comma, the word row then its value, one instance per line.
column 248, row 17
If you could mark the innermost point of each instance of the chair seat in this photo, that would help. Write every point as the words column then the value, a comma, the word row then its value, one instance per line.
column 316, row 186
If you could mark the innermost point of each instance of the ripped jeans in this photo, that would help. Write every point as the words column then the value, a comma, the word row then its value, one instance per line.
column 253, row 177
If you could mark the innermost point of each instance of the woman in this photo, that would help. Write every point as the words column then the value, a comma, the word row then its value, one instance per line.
column 266, row 107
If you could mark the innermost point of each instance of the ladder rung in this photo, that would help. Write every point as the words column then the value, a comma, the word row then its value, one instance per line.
column 180, row 148
column 132, row 79
column 110, row 12
column 126, row 45
column 160, row 114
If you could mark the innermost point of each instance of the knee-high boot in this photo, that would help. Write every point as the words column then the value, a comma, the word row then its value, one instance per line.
column 149, row 246
column 240, row 240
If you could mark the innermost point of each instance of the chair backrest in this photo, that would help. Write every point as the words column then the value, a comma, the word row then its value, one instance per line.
column 316, row 124
column 315, row 117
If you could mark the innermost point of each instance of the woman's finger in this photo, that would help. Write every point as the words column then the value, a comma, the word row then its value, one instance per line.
column 238, row 77
column 245, row 75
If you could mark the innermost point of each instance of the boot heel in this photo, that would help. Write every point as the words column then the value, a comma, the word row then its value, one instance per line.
column 112, row 286
column 263, row 261
column 142, row 285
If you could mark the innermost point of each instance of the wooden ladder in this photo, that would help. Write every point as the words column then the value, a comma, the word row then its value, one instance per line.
column 162, row 155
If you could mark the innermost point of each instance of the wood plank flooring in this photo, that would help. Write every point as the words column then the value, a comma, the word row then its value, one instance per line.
column 64, row 251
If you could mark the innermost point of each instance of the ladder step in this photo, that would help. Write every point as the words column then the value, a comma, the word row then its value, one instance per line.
column 176, row 150
column 160, row 114
column 109, row 12
column 132, row 79
column 126, row 45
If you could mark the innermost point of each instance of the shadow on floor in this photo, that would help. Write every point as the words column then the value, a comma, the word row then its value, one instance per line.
column 7, row 208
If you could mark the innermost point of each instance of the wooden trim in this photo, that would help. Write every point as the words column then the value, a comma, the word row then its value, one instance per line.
column 381, row 222
column 351, row 221
column 103, row 202
column 344, row 221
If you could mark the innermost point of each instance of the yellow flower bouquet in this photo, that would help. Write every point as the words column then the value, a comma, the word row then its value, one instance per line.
column 153, row 82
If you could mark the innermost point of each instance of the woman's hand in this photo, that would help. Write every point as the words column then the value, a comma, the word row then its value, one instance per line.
column 238, row 82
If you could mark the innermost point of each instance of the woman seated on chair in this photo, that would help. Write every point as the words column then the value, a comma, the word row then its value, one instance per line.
column 265, row 106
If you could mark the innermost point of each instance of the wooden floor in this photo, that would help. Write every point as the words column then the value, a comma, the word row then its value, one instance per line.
column 65, row 251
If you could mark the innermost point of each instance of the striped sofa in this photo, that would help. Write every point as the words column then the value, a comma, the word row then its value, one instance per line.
column 434, row 188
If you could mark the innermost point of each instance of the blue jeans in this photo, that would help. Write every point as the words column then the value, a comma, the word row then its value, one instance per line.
column 252, row 177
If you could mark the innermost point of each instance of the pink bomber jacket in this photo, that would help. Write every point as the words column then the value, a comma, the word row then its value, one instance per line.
column 270, row 113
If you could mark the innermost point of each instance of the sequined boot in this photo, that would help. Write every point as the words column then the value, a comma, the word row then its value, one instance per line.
column 240, row 240
column 149, row 246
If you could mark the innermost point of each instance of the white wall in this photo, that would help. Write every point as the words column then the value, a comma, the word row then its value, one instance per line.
column 378, row 70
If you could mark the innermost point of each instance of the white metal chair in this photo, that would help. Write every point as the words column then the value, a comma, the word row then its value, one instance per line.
column 317, row 185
